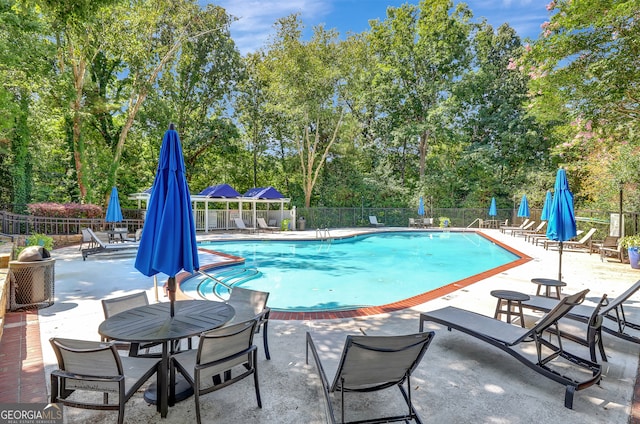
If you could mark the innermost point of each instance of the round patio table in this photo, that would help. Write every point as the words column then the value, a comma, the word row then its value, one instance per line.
column 153, row 323
column 513, row 300
column 548, row 284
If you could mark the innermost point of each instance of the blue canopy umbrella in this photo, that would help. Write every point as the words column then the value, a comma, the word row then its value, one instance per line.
column 546, row 208
column 114, row 213
column 168, row 242
column 523, row 210
column 493, row 210
column 562, row 218
column 421, row 207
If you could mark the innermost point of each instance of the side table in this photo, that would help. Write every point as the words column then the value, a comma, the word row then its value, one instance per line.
column 548, row 284
column 513, row 301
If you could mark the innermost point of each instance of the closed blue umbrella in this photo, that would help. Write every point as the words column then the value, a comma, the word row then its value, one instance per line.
column 493, row 210
column 544, row 216
column 523, row 210
column 114, row 213
column 421, row 207
column 562, row 218
column 168, row 242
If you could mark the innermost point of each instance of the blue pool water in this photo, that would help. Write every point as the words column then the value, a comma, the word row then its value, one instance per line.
column 366, row 270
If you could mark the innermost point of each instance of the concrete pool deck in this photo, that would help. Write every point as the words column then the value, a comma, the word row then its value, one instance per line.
column 459, row 380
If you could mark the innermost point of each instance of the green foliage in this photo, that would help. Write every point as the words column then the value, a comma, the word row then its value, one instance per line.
column 40, row 240
column 630, row 241
column 444, row 222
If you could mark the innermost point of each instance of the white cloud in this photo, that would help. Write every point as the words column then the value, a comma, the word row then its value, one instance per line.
column 256, row 18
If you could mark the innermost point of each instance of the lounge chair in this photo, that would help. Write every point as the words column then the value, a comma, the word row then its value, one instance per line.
column 528, row 231
column 504, row 228
column 366, row 364
column 612, row 315
column 412, row 222
column 86, row 238
column 610, row 247
column 427, row 222
column 263, row 226
column 98, row 246
column 90, row 366
column 219, row 352
column 526, row 227
column 583, row 244
column 509, row 338
column 373, row 220
column 240, row 225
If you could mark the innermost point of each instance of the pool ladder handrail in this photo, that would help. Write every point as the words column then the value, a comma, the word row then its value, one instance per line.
column 222, row 283
column 323, row 234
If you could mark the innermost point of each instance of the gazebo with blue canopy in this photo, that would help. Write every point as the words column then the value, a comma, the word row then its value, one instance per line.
column 265, row 195
column 216, row 194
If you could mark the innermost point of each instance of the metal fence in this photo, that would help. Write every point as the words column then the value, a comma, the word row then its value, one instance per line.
column 14, row 224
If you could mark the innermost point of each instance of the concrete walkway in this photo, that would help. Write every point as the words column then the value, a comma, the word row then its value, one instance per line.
column 460, row 380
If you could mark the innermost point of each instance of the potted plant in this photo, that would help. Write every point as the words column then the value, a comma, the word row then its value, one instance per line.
column 632, row 243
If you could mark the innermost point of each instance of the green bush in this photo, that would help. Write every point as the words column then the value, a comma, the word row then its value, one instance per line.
column 444, row 222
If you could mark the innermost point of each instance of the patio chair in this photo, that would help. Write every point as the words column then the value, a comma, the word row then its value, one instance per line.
column 612, row 315
column 373, row 220
column 366, row 364
column 88, row 366
column 252, row 304
column 240, row 225
column 219, row 352
column 262, row 225
column 136, row 237
column 525, row 232
column 115, row 305
column 583, row 244
column 509, row 338
column 610, row 247
column 526, row 227
column 86, row 238
column 427, row 222
column 98, row 246
column 504, row 228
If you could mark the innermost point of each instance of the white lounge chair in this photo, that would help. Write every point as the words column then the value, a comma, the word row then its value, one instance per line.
column 373, row 220
column 240, row 225
column 263, row 226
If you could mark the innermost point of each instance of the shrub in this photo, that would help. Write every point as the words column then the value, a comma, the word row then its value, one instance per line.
column 67, row 210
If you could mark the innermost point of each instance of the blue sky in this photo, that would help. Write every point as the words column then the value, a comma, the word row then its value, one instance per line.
column 256, row 17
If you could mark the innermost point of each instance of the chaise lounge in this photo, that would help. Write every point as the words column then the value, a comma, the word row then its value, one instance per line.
column 98, row 246
column 508, row 338
column 611, row 314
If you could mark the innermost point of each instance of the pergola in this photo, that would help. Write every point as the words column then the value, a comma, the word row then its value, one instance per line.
column 213, row 207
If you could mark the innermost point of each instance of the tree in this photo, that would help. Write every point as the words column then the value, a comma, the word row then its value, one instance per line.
column 421, row 52
column 585, row 70
column 304, row 82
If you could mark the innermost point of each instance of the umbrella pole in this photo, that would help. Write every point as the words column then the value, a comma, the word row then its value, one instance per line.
column 155, row 286
column 171, row 287
column 560, row 262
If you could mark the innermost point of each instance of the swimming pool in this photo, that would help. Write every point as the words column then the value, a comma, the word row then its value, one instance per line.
column 359, row 271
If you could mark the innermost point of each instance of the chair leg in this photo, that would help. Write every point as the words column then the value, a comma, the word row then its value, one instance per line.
column 255, row 378
column 265, row 342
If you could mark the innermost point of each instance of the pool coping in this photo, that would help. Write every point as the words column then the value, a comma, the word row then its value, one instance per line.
column 372, row 310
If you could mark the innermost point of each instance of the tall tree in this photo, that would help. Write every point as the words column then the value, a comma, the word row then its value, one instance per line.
column 304, row 84
column 422, row 52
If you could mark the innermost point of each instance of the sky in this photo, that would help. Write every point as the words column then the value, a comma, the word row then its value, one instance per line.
column 257, row 17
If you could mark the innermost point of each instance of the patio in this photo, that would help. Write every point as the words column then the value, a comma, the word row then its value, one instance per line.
column 459, row 380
